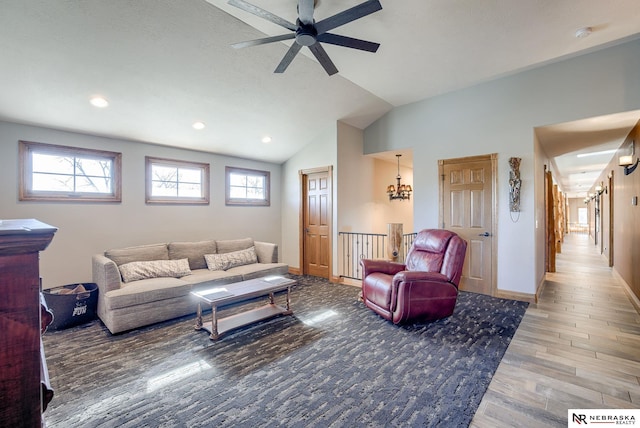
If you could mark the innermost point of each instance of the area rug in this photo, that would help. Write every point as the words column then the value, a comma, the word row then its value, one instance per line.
column 334, row 363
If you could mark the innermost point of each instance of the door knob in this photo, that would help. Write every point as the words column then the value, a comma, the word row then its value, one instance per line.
column 485, row 234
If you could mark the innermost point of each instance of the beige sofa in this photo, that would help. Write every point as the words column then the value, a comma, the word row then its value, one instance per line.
column 146, row 284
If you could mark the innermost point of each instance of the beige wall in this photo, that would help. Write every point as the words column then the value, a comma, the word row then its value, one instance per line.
column 363, row 204
column 88, row 228
column 625, row 227
column 321, row 151
column 500, row 117
column 626, row 218
column 494, row 117
column 539, row 224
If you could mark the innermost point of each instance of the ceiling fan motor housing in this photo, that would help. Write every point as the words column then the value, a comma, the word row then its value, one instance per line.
column 306, row 34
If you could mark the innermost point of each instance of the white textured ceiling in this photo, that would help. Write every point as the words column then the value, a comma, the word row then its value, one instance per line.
column 164, row 64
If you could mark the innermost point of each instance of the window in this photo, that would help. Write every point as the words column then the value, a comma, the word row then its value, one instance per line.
column 176, row 182
column 60, row 173
column 582, row 216
column 247, row 187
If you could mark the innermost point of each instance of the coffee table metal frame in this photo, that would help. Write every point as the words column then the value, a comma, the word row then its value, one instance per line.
column 238, row 292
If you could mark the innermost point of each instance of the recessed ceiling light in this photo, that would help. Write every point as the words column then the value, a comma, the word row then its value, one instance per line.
column 99, row 102
column 266, row 139
column 198, row 125
column 581, row 33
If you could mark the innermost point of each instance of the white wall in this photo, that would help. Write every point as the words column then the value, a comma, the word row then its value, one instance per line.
column 89, row 228
column 499, row 117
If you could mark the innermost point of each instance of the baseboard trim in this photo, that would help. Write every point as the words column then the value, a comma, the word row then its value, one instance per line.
column 540, row 287
column 334, row 280
column 351, row 281
column 627, row 289
column 516, row 295
column 294, row 271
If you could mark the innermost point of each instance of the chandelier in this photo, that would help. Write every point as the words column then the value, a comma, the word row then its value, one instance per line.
column 400, row 191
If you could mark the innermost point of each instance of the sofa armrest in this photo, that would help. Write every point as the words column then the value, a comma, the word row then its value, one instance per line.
column 266, row 252
column 370, row 266
column 105, row 273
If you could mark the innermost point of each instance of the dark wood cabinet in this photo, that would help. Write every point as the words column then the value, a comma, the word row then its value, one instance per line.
column 21, row 358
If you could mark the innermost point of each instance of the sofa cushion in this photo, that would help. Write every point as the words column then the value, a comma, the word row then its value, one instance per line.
column 228, row 260
column 206, row 278
column 266, row 252
column 194, row 251
column 230, row 245
column 138, row 254
column 258, row 270
column 146, row 291
column 136, row 271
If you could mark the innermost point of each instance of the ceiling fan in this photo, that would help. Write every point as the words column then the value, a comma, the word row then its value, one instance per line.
column 307, row 32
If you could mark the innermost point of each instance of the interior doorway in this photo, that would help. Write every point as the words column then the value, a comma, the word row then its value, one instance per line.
column 468, row 207
column 316, row 221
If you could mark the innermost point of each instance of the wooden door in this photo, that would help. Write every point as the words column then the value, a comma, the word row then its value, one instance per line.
column 317, row 196
column 550, row 248
column 467, row 208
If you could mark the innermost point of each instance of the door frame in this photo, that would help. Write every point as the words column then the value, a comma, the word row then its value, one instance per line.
column 302, row 174
column 611, row 208
column 493, row 157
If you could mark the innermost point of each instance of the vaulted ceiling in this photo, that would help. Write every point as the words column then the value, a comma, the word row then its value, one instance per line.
column 165, row 64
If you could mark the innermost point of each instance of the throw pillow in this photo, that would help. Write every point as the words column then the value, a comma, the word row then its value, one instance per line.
column 228, row 260
column 134, row 271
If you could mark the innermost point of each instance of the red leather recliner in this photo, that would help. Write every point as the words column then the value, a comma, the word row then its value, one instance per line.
column 425, row 287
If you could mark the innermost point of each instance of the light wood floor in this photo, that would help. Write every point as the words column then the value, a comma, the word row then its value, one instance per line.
column 579, row 347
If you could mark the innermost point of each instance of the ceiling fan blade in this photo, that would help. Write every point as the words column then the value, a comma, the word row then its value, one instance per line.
column 257, row 11
column 348, row 42
column 288, row 57
column 323, row 58
column 344, row 17
column 305, row 11
column 263, row 41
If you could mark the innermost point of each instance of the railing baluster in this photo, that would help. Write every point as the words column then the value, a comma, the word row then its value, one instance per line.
column 357, row 246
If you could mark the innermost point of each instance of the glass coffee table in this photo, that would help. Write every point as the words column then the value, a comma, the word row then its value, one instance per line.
column 238, row 292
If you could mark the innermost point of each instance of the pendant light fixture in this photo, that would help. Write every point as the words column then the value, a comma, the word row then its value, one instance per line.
column 402, row 191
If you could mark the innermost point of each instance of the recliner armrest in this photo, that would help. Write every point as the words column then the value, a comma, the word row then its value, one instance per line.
column 413, row 286
column 390, row 268
column 410, row 276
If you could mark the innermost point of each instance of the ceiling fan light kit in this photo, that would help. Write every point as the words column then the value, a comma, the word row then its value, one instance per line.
column 307, row 32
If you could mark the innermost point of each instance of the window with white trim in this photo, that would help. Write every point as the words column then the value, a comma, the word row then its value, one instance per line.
column 247, row 187
column 52, row 172
column 172, row 181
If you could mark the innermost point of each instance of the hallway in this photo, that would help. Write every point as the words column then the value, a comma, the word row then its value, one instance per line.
column 579, row 347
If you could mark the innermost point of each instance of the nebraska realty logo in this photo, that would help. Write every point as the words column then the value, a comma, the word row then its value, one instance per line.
column 582, row 417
